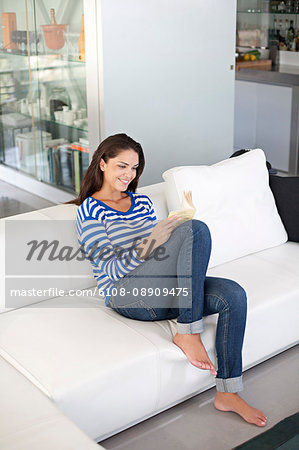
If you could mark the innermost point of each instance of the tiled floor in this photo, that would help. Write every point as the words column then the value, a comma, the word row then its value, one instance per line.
column 16, row 201
column 196, row 425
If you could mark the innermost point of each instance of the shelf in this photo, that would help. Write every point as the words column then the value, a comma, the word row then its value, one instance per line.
column 42, row 56
column 61, row 124
column 277, row 13
column 50, row 121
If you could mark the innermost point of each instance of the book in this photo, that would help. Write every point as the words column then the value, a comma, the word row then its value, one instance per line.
column 81, row 146
column 187, row 210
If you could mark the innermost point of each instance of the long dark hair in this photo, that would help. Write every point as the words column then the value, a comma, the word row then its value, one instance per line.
column 109, row 148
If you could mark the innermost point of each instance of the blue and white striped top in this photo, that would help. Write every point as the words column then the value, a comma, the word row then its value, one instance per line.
column 108, row 238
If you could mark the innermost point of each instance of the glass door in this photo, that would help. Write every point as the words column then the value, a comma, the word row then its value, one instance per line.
column 15, row 120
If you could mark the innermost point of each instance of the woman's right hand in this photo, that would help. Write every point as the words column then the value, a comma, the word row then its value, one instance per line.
column 159, row 235
column 162, row 231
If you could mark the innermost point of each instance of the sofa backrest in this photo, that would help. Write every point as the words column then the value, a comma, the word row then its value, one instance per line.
column 57, row 272
column 157, row 194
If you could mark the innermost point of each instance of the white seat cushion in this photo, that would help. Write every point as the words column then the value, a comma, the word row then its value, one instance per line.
column 107, row 372
column 30, row 421
column 271, row 281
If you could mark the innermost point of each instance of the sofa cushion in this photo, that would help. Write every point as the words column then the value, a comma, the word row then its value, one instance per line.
column 69, row 351
column 156, row 193
column 30, row 421
column 234, row 199
column 271, row 281
column 56, row 269
column 90, row 360
column 286, row 194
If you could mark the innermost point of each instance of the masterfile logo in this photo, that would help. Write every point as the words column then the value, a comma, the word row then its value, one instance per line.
column 42, row 256
column 42, row 247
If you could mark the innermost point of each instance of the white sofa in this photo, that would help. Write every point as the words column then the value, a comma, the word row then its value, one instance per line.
column 29, row 420
column 104, row 371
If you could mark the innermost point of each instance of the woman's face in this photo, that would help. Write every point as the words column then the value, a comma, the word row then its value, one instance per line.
column 118, row 172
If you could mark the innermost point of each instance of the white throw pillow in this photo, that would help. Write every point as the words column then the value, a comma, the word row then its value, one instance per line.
column 234, row 199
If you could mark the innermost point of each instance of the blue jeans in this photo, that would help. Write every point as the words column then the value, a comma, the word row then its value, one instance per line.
column 176, row 286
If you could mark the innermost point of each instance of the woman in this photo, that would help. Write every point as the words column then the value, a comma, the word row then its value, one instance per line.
column 155, row 271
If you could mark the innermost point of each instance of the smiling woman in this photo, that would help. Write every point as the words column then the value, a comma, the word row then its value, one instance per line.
column 116, row 166
column 118, row 173
column 119, row 234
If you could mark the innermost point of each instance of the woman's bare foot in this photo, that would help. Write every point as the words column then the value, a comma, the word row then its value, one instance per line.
column 227, row 401
column 194, row 350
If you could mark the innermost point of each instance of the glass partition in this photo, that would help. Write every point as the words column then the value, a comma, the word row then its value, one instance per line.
column 43, row 106
column 261, row 23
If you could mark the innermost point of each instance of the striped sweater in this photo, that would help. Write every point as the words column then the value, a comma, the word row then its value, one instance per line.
column 108, row 238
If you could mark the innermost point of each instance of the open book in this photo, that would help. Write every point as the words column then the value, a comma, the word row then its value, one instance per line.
column 187, row 210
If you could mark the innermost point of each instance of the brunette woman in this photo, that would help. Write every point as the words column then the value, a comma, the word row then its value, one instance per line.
column 149, row 270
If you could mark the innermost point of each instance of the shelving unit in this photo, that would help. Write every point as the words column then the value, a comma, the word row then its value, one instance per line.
column 29, row 82
column 258, row 25
column 268, row 13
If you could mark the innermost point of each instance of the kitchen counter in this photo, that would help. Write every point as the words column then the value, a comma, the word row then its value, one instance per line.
column 283, row 75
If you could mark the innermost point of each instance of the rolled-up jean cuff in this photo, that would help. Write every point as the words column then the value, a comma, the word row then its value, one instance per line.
column 190, row 328
column 229, row 384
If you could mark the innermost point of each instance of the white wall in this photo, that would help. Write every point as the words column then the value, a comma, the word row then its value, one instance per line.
column 167, row 79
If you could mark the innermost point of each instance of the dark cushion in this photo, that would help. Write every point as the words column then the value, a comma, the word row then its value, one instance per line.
column 286, row 194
